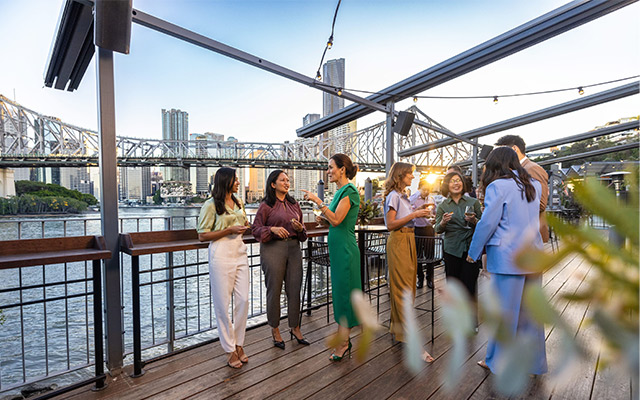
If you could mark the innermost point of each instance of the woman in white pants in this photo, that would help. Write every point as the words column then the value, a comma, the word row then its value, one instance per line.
column 222, row 222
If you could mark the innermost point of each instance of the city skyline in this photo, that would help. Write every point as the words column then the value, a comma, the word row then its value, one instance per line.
column 382, row 43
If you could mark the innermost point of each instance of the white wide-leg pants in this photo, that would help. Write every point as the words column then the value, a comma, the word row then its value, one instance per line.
column 229, row 274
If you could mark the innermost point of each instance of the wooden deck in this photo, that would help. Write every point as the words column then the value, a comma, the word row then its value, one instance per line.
column 302, row 372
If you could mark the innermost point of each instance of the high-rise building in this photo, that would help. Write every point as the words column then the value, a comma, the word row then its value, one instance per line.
column 309, row 118
column 76, row 178
column 332, row 74
column 205, row 149
column 175, row 127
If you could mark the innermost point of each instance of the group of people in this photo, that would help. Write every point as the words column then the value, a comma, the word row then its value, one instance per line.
column 514, row 191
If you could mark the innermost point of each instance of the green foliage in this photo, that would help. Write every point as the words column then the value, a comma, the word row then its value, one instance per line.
column 367, row 212
column 41, row 189
column 30, row 204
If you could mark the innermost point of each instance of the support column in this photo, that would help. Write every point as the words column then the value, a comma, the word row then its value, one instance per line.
column 474, row 163
column 390, row 150
column 109, row 207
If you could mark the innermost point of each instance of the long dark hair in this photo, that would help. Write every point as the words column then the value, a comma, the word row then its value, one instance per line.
column 343, row 160
column 500, row 164
column 270, row 191
column 222, row 184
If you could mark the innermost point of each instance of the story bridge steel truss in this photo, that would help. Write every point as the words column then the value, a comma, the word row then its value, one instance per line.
column 30, row 139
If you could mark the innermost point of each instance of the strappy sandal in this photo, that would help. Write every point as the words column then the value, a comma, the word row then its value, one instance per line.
column 233, row 361
column 241, row 355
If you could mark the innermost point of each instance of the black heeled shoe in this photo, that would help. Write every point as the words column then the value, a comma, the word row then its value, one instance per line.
column 336, row 358
column 300, row 341
column 277, row 344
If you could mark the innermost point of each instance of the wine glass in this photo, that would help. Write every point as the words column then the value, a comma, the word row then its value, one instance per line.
column 468, row 212
column 317, row 212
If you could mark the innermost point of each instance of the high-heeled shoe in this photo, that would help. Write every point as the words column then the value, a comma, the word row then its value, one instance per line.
column 300, row 341
column 278, row 344
column 336, row 358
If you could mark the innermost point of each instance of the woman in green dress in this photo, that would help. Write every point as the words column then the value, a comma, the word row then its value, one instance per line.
column 344, row 254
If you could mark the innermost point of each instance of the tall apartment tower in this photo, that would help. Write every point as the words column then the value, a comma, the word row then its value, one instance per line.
column 175, row 126
column 332, row 74
column 309, row 118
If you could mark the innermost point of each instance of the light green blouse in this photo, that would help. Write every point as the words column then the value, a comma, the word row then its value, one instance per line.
column 209, row 221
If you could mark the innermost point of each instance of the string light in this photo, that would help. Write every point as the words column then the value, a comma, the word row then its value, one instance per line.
column 339, row 92
column 330, row 41
column 318, row 76
column 494, row 97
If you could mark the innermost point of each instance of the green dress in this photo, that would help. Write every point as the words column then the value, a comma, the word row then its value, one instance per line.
column 344, row 256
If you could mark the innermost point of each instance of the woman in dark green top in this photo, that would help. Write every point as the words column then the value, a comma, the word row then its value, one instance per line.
column 344, row 254
column 458, row 230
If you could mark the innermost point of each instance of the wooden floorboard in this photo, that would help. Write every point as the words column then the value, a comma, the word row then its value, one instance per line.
column 304, row 372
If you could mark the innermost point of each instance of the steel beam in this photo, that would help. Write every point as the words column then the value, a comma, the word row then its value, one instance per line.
column 563, row 108
column 574, row 138
column 178, row 32
column 533, row 32
column 627, row 126
column 599, row 152
column 109, row 206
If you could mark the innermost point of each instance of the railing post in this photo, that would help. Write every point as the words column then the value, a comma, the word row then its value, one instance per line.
column 135, row 300
column 171, row 326
column 97, row 324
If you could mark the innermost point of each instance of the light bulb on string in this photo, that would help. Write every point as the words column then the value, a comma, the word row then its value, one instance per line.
column 339, row 92
column 495, row 100
column 318, row 76
column 330, row 42
column 415, row 99
column 580, row 91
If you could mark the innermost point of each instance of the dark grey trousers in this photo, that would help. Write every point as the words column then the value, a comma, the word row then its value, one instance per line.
column 282, row 262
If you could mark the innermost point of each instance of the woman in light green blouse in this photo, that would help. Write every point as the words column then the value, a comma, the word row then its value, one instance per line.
column 222, row 222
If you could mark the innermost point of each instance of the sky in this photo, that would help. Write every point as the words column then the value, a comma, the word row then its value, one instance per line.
column 383, row 42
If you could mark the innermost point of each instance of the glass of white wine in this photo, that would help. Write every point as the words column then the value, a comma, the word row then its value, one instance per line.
column 317, row 212
column 468, row 212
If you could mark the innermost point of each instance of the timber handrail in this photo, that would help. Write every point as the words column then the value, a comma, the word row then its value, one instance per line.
column 44, row 251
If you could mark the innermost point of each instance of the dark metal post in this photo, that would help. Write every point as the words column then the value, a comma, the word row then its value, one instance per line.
column 368, row 189
column 390, row 145
column 135, row 300
column 97, row 324
column 474, row 163
column 321, row 189
column 109, row 206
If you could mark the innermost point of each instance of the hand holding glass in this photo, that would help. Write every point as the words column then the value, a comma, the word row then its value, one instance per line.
column 468, row 212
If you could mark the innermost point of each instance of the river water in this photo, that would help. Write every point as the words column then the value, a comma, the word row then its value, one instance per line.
column 42, row 338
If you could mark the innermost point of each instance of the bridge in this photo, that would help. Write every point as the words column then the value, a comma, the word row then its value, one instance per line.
column 31, row 139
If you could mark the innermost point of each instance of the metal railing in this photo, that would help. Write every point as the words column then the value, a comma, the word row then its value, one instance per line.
column 51, row 323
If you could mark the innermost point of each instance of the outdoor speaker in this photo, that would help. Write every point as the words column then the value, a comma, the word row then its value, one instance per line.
column 113, row 25
column 403, row 123
column 484, row 151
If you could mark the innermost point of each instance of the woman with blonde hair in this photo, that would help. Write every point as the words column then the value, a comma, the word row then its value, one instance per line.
column 401, row 245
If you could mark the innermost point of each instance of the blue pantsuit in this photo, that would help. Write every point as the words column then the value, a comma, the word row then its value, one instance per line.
column 510, row 289
column 508, row 223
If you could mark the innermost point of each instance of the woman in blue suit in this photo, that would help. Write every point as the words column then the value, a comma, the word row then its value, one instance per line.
column 509, row 222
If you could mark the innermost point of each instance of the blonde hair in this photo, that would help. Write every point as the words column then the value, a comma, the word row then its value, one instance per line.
column 397, row 173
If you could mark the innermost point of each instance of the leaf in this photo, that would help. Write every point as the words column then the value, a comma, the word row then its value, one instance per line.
column 601, row 201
